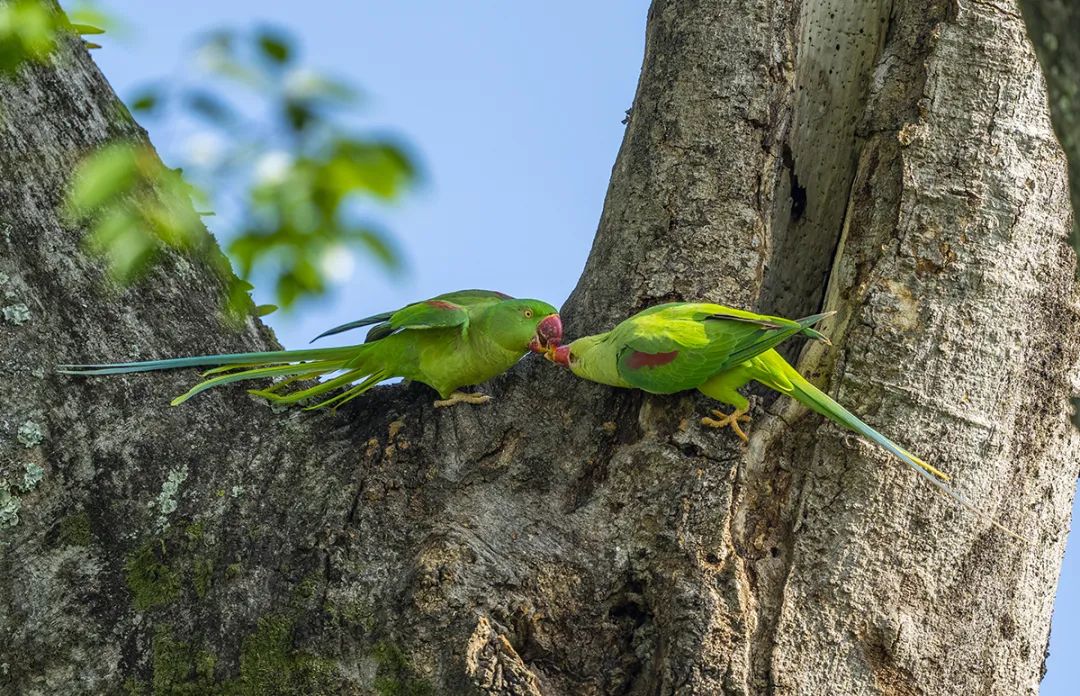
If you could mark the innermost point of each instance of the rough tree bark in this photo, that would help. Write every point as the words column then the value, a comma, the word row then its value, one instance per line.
column 1053, row 26
column 892, row 161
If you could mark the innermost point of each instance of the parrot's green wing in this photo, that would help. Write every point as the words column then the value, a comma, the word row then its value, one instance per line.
column 385, row 324
column 469, row 298
column 682, row 345
column 430, row 314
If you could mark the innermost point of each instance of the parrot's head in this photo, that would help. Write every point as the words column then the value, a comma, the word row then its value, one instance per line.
column 583, row 359
column 526, row 325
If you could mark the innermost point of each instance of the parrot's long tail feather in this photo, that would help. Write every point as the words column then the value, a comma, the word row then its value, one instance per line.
column 351, row 393
column 822, row 403
column 795, row 385
column 233, row 359
column 292, row 365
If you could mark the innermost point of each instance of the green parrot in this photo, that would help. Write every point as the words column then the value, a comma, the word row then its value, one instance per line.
column 450, row 341
column 716, row 350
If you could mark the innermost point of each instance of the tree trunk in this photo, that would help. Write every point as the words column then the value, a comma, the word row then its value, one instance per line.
column 1053, row 26
column 892, row 161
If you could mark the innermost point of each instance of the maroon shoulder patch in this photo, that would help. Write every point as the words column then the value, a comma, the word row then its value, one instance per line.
column 441, row 304
column 638, row 360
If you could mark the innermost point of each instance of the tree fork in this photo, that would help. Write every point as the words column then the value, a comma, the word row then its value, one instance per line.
column 569, row 538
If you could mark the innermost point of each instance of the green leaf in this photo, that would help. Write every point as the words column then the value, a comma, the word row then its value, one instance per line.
column 265, row 309
column 27, row 33
column 380, row 169
column 335, row 90
column 310, row 86
column 217, row 54
column 298, row 114
column 245, row 250
column 85, row 29
column 134, row 204
column 238, row 305
column 146, row 100
column 171, row 219
column 84, row 18
column 288, row 289
column 291, row 174
column 106, row 174
column 274, row 45
column 119, row 237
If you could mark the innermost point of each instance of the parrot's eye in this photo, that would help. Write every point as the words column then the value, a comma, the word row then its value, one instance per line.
column 528, row 314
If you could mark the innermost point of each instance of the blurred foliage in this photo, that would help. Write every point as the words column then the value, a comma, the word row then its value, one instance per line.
column 270, row 147
column 29, row 30
column 292, row 183
column 134, row 205
column 134, row 202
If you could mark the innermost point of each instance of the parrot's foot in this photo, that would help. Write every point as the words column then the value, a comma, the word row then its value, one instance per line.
column 461, row 397
column 732, row 420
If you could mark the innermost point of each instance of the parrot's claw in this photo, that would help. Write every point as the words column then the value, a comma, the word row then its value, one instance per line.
column 462, row 397
column 732, row 420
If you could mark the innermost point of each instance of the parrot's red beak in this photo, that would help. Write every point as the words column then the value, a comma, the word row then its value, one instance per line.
column 548, row 334
column 559, row 355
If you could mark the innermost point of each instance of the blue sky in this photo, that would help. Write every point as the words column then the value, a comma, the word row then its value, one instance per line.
column 515, row 110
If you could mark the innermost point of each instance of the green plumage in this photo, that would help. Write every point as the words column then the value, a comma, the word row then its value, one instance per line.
column 693, row 342
column 770, row 369
column 716, row 350
column 449, row 341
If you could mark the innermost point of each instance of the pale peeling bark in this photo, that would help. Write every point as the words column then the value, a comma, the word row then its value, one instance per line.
column 568, row 538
